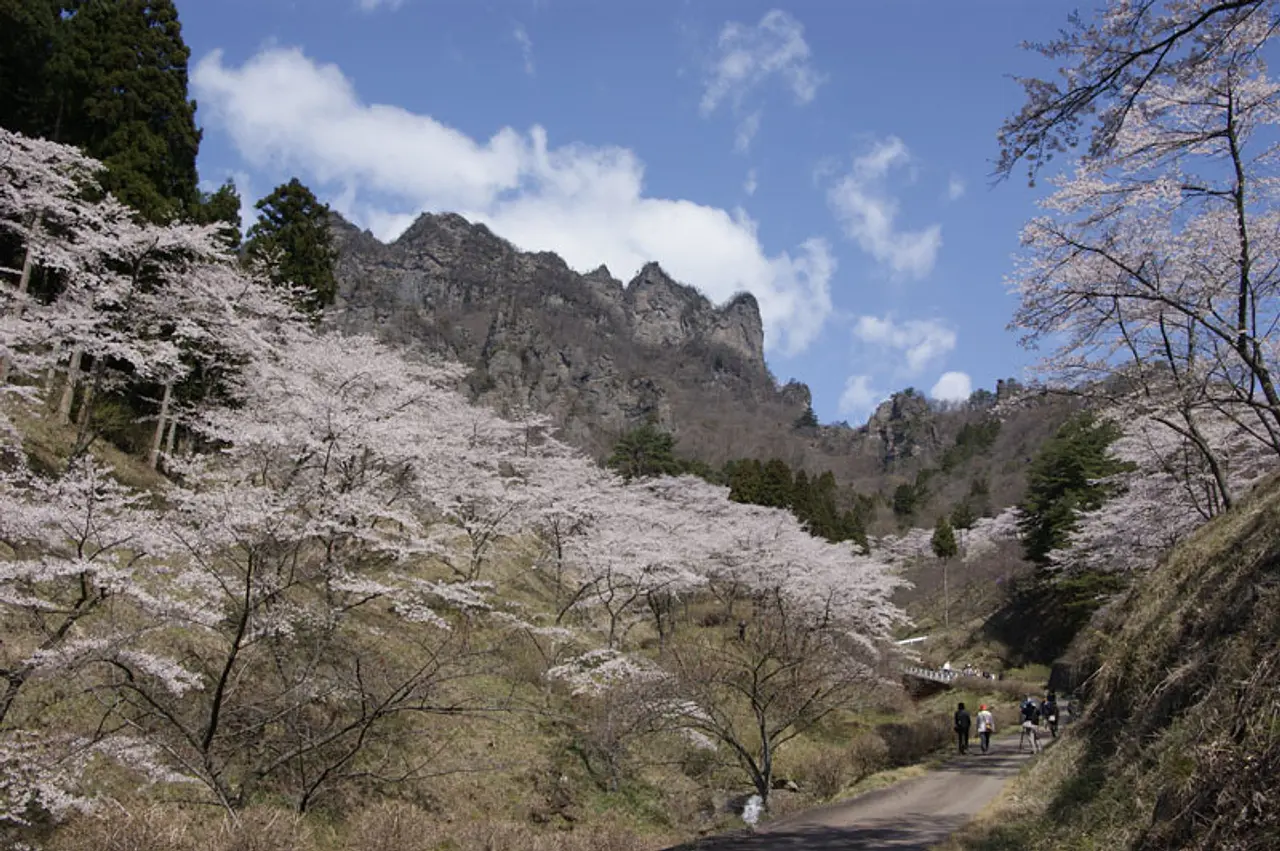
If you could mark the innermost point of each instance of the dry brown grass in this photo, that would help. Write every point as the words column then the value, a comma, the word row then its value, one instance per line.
column 48, row 443
column 389, row 826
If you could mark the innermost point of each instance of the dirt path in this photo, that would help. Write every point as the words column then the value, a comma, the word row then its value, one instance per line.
column 910, row 816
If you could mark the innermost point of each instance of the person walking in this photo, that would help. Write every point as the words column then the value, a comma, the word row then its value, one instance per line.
column 1050, row 713
column 1030, row 724
column 963, row 722
column 986, row 726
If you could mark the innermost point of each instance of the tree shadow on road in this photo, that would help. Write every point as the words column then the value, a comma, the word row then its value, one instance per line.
column 914, row 832
column 1003, row 760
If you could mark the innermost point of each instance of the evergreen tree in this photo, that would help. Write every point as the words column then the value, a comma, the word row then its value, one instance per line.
column 802, row 493
column 292, row 240
column 222, row 205
column 944, row 540
column 945, row 548
column 963, row 516
column 905, row 500
column 1064, row 480
column 746, row 481
column 777, row 485
column 117, row 80
column 808, row 419
column 644, row 452
column 27, row 29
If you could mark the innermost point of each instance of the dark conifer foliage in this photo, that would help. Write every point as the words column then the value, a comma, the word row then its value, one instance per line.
column 221, row 205
column 644, row 452
column 293, row 241
column 26, row 46
column 118, row 75
column 1065, row 479
column 109, row 76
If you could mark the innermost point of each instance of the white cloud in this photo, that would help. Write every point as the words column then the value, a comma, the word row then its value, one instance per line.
column 955, row 188
column 858, row 398
column 746, row 57
column 526, row 48
column 285, row 113
column 952, row 387
column 374, row 5
column 868, row 213
column 750, row 185
column 918, row 342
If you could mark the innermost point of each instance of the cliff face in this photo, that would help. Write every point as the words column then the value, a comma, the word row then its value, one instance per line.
column 600, row 357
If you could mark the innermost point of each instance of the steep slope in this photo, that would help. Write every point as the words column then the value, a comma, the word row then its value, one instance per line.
column 1180, row 745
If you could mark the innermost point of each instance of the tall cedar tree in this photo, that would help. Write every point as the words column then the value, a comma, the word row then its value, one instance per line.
column 292, row 235
column 27, row 29
column 808, row 419
column 944, row 540
column 1064, row 480
column 117, row 88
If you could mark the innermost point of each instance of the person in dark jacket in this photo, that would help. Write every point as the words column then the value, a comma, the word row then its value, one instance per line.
column 963, row 722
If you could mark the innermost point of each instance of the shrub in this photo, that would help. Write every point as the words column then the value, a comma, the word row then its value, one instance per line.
column 825, row 773
column 910, row 742
column 867, row 754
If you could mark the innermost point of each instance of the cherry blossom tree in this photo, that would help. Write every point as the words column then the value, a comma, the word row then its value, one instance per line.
column 306, row 539
column 1108, row 65
column 619, row 701
column 1154, row 271
column 137, row 303
column 78, row 595
column 283, row 612
column 1168, row 493
column 754, row 695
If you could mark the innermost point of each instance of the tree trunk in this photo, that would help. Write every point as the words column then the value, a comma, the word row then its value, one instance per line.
column 24, row 282
column 84, row 417
column 64, row 406
column 946, row 597
column 69, row 390
column 173, row 432
column 160, row 424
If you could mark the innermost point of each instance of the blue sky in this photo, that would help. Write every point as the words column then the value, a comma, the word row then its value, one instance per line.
column 831, row 157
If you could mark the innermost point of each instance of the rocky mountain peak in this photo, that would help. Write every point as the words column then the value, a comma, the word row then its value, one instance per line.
column 597, row 355
column 739, row 326
column 665, row 312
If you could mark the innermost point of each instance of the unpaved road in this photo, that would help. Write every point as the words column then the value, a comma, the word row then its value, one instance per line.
column 911, row 816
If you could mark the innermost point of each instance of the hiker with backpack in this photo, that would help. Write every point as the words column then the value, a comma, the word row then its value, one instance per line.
column 963, row 722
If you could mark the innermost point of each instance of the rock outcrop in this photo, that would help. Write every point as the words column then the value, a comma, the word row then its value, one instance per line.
column 599, row 356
